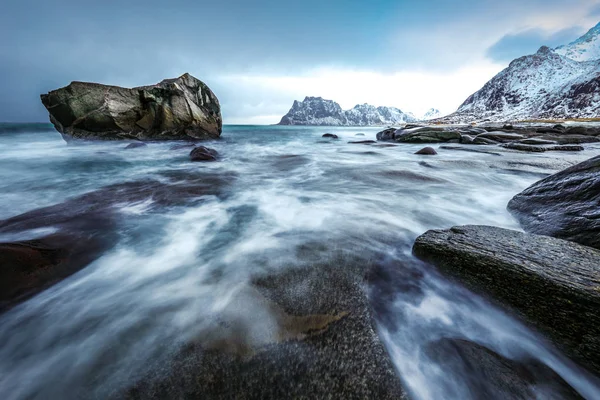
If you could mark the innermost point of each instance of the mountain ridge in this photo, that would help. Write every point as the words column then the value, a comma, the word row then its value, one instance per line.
column 561, row 83
column 322, row 112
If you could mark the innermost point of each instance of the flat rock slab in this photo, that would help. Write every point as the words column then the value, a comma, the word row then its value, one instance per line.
column 552, row 283
column 564, row 205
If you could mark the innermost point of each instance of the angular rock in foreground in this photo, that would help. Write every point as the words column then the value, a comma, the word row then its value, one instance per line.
column 565, row 205
column 181, row 108
column 554, row 284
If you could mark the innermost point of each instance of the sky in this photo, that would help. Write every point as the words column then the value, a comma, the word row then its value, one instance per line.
column 259, row 56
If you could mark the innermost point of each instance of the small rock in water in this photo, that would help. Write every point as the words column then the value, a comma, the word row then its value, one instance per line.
column 360, row 134
column 427, row 151
column 330, row 135
column 202, row 153
column 135, row 145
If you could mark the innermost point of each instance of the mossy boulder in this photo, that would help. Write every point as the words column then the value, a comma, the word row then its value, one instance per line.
column 180, row 108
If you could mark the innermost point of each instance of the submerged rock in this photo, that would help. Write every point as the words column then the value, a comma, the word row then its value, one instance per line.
column 330, row 135
column 550, row 282
column 427, row 151
column 85, row 227
column 489, row 375
column 565, row 205
column 202, row 153
column 180, row 108
column 297, row 333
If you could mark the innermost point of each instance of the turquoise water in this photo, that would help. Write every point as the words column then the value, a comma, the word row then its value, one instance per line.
column 171, row 226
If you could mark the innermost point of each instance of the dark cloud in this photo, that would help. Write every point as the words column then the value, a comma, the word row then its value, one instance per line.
column 517, row 45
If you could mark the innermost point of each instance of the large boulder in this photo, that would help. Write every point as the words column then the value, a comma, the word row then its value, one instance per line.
column 552, row 283
column 564, row 205
column 180, row 108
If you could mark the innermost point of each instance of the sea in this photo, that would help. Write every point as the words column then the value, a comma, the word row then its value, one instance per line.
column 182, row 235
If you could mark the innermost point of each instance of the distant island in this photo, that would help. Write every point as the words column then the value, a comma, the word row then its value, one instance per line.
column 319, row 111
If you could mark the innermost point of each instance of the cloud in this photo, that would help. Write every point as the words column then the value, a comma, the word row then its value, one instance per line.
column 45, row 45
column 528, row 42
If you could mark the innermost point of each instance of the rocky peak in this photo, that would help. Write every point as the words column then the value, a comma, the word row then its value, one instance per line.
column 586, row 48
column 319, row 111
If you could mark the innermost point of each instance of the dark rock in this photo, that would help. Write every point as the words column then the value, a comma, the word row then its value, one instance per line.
column 565, row 205
column 576, row 130
column 182, row 146
column 330, row 135
column 508, row 127
column 550, row 282
column 411, row 126
column 313, row 338
column 85, row 228
column 540, row 149
column 536, row 141
column 202, row 153
column 559, row 127
column 180, row 108
column 360, row 134
column 501, row 137
column 488, row 375
column 363, row 142
column 135, row 145
column 484, row 141
column 427, row 151
column 425, row 135
column 466, row 139
column 571, row 139
column 387, row 134
column 29, row 267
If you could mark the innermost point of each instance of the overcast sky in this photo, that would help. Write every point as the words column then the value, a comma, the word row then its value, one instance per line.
column 258, row 56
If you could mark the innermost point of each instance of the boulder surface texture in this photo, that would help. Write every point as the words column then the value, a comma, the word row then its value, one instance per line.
column 553, row 284
column 564, row 205
column 180, row 108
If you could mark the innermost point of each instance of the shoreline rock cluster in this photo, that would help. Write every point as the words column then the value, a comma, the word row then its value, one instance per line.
column 552, row 283
column 523, row 137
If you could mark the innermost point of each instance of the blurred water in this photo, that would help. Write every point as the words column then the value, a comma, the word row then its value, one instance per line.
column 175, row 264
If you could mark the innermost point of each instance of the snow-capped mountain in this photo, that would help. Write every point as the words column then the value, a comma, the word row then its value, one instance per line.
column 431, row 114
column 562, row 83
column 318, row 111
column 585, row 48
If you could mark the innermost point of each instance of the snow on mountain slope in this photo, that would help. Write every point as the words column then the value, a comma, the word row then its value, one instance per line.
column 318, row 111
column 542, row 85
column 561, row 83
column 431, row 114
column 585, row 48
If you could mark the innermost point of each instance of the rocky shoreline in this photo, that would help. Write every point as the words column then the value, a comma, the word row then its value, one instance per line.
column 552, row 283
column 520, row 137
